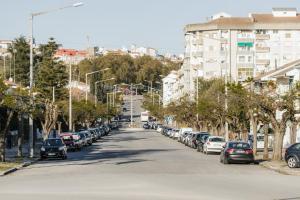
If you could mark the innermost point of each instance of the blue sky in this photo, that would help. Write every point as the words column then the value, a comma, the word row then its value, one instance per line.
column 117, row 23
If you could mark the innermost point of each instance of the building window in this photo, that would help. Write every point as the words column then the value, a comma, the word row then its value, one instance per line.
column 249, row 59
column 211, row 48
column 245, row 72
column 288, row 35
column 241, row 59
column 275, row 31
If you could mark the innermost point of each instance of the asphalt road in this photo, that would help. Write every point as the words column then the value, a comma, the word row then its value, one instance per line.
column 138, row 165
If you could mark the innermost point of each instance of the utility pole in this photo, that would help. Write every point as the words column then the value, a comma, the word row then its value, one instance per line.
column 4, row 67
column 226, row 89
column 53, row 94
column 131, row 107
column 70, row 98
column 31, row 149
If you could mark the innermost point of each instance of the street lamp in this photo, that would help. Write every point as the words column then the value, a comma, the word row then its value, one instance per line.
column 32, row 15
column 110, row 79
column 86, row 80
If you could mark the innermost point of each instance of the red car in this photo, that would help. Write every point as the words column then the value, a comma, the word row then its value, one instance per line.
column 68, row 140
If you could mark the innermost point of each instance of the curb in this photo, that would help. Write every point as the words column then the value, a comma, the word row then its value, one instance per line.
column 280, row 169
column 24, row 164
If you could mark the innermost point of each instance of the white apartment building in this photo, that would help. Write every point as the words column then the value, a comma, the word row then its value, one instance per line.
column 170, row 88
column 240, row 47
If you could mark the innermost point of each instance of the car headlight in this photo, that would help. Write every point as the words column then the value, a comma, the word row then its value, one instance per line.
column 43, row 149
column 61, row 148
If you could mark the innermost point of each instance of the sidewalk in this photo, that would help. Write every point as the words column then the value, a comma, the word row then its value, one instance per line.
column 11, row 154
column 281, row 167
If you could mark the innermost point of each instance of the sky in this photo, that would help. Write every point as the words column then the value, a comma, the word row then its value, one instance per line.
column 120, row 23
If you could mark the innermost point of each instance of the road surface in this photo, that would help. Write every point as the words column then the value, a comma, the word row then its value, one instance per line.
column 138, row 165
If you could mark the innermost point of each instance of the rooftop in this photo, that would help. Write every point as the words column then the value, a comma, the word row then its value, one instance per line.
column 253, row 22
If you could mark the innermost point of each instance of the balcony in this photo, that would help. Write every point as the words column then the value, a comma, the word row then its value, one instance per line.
column 262, row 61
column 197, row 42
column 262, row 36
column 262, row 49
column 197, row 54
column 245, row 40
column 244, row 52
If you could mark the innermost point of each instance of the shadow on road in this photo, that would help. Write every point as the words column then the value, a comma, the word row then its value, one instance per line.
column 104, row 151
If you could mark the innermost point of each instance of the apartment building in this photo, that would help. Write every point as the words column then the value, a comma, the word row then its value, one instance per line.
column 170, row 88
column 240, row 47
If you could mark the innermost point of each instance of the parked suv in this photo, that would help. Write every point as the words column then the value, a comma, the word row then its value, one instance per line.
column 53, row 148
column 292, row 155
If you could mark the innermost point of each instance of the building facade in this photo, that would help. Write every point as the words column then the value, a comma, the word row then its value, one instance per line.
column 170, row 88
column 240, row 47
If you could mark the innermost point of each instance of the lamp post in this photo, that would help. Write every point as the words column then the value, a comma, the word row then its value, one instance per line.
column 31, row 17
column 110, row 79
column 86, row 80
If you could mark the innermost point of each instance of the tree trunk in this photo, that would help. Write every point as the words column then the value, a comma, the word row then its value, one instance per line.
column 3, row 136
column 277, row 151
column 293, row 133
column 266, row 142
column 254, row 129
column 20, row 135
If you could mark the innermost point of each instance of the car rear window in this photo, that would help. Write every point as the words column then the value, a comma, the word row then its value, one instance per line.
column 216, row 139
column 67, row 138
column 238, row 145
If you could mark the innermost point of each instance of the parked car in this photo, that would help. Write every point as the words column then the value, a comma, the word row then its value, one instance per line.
column 83, row 138
column 89, row 139
column 159, row 128
column 93, row 134
column 181, row 133
column 78, row 141
column 236, row 152
column 146, row 126
column 175, row 133
column 188, row 138
column 213, row 144
column 201, row 141
column 53, row 148
column 292, row 155
column 68, row 140
column 183, row 136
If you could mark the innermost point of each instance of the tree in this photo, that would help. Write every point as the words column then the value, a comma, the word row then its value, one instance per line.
column 51, row 76
column 20, row 49
column 7, row 103
column 279, row 109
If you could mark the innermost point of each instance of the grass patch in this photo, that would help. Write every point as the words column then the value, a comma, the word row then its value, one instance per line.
column 7, row 165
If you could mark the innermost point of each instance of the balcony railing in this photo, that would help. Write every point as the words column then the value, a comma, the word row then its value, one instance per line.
column 262, row 49
column 197, row 42
column 245, row 39
column 263, row 61
column 197, row 54
column 262, row 36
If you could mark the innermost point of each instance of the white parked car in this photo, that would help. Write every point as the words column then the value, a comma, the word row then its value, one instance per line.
column 175, row 133
column 214, row 144
column 181, row 133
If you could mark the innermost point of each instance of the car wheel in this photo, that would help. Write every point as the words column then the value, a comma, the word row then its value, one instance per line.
column 205, row 151
column 225, row 161
column 65, row 157
column 292, row 162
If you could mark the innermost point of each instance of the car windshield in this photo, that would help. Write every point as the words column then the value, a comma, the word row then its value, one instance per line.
column 239, row 145
column 53, row 142
column 217, row 139
column 201, row 135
